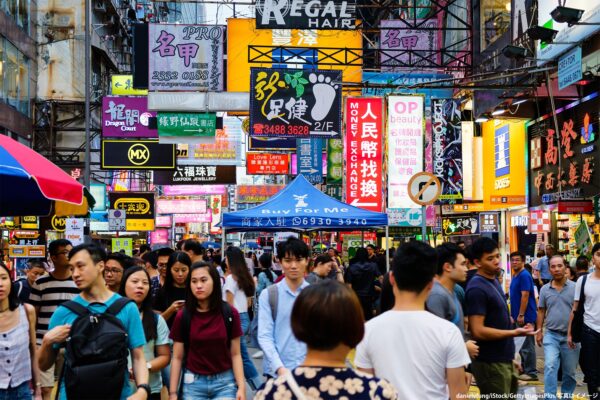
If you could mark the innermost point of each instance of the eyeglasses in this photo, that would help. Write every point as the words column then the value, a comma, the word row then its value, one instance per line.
column 161, row 265
column 113, row 270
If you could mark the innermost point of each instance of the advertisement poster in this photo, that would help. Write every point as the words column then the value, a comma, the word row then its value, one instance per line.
column 335, row 161
column 126, row 117
column 405, row 147
column 295, row 103
column 447, row 148
column 185, row 57
column 364, row 152
column 267, row 164
column 159, row 236
column 315, row 14
column 74, row 231
column 193, row 190
column 226, row 149
column 189, row 206
column 403, row 46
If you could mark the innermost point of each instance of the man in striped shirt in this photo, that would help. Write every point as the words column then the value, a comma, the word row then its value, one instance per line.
column 47, row 293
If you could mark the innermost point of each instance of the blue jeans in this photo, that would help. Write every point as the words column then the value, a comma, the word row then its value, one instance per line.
column 250, row 372
column 209, row 387
column 21, row 392
column 557, row 351
column 528, row 356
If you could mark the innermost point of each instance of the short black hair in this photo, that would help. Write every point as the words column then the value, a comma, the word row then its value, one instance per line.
column 292, row 246
column 595, row 248
column 118, row 257
column 144, row 248
column 447, row 253
column 322, row 259
column 481, row 246
column 517, row 254
column 56, row 244
column 372, row 246
column 468, row 254
column 96, row 253
column 414, row 266
column 194, row 246
column 582, row 263
column 164, row 251
column 36, row 263
column 151, row 258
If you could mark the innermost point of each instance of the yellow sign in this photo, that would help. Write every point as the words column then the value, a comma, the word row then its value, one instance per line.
column 59, row 224
column 504, row 164
column 470, row 207
column 183, row 150
column 30, row 251
column 139, row 224
column 119, row 244
column 133, row 205
column 122, row 85
column 30, row 222
column 138, row 154
column 329, row 44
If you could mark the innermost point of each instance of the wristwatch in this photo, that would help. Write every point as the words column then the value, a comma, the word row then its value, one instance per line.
column 149, row 366
column 146, row 387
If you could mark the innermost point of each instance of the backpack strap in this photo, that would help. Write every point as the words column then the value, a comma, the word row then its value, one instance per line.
column 117, row 306
column 186, row 322
column 76, row 308
column 273, row 300
column 582, row 293
column 228, row 317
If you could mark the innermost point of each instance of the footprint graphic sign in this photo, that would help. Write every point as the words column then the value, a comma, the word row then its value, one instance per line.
column 295, row 103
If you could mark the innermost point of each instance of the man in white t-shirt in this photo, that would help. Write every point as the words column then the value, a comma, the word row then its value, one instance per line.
column 422, row 355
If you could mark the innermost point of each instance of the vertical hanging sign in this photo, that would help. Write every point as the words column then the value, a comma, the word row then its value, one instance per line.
column 310, row 159
column 447, row 147
column 364, row 150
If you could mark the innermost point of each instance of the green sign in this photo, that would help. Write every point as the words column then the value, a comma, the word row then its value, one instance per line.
column 334, row 191
column 119, row 244
column 583, row 239
column 187, row 124
column 335, row 161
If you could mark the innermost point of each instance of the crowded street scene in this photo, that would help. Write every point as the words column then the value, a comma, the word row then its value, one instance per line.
column 299, row 199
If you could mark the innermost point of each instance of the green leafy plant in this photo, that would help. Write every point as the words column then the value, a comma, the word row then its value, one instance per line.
column 296, row 81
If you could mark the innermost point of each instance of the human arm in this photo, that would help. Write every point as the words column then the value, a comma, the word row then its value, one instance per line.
column 238, row 368
column 47, row 352
column 35, row 370
column 140, row 372
column 162, row 349
column 541, row 315
column 172, row 309
column 266, row 333
column 230, row 300
column 481, row 332
column 457, row 383
column 176, row 368
column 472, row 348
column 570, row 342
column 523, row 307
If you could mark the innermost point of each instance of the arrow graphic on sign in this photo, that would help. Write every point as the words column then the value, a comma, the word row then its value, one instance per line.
column 356, row 203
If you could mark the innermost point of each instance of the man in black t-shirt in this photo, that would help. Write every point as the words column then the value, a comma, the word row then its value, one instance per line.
column 490, row 323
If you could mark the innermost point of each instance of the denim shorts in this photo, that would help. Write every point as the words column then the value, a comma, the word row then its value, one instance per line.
column 209, row 387
column 21, row 392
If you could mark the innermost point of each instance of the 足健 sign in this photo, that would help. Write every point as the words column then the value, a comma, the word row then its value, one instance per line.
column 137, row 154
column 489, row 222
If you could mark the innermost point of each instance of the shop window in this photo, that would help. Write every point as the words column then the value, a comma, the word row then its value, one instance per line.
column 23, row 102
column 495, row 20
column 11, row 74
column 18, row 10
column 2, row 65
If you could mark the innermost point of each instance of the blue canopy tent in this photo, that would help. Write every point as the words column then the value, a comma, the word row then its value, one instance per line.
column 302, row 207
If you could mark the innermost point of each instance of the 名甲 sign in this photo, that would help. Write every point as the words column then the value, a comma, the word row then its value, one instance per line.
column 364, row 152
column 295, row 103
column 185, row 57
column 137, row 154
column 309, row 159
column 306, row 14
column 424, row 188
column 267, row 164
column 126, row 117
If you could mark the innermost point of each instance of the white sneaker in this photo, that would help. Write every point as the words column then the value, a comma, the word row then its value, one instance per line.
column 258, row 354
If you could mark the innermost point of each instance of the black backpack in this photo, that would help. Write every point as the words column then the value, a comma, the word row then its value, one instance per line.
column 96, row 353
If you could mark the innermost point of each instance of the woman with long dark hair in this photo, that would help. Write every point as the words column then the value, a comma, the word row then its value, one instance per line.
column 171, row 296
column 208, row 358
column 135, row 285
column 18, row 364
column 238, row 291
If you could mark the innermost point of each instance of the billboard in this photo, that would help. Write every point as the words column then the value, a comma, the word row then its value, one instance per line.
column 447, row 147
column 403, row 46
column 364, row 152
column 137, row 154
column 406, row 123
column 256, row 193
column 267, row 164
column 125, row 117
column 196, row 174
column 138, row 207
column 295, row 103
column 309, row 159
column 314, row 14
column 185, row 57
column 189, row 206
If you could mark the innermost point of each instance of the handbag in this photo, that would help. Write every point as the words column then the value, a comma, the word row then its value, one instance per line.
column 577, row 322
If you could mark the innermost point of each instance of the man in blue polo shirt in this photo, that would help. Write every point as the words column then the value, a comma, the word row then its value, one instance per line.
column 491, row 325
column 523, row 311
column 87, row 262
column 543, row 266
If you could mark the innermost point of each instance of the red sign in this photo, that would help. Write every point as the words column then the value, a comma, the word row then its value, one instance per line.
column 267, row 164
column 364, row 152
column 576, row 207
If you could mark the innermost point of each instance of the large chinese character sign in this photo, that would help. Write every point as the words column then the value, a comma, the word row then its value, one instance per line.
column 447, row 147
column 295, row 103
column 185, row 57
column 364, row 150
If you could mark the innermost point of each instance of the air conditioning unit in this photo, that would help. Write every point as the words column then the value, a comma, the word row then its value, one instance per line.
column 99, row 6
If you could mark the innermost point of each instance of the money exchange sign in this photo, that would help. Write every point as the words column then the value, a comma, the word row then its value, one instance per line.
column 364, row 151
column 295, row 103
column 185, row 57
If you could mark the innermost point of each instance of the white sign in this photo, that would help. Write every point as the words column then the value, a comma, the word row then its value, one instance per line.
column 116, row 220
column 74, row 230
column 566, row 34
column 185, row 57
column 569, row 68
column 424, row 188
column 405, row 147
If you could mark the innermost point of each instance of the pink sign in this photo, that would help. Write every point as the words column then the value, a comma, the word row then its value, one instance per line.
column 159, row 236
column 403, row 46
column 164, row 206
column 194, row 218
column 188, row 190
column 125, row 117
column 163, row 221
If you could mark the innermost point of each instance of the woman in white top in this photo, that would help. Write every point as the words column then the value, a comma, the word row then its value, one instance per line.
column 18, row 369
column 238, row 289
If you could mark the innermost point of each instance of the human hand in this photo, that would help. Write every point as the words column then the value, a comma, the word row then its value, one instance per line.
column 526, row 330
column 241, row 394
column 570, row 342
column 177, row 305
column 281, row 371
column 58, row 334
column 472, row 348
column 140, row 394
column 521, row 320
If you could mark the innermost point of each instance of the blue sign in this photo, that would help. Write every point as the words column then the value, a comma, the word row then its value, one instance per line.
column 299, row 58
column 502, row 151
column 310, row 159
column 401, row 81
column 569, row 68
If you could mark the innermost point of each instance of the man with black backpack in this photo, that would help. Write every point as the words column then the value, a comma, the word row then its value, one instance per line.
column 98, row 328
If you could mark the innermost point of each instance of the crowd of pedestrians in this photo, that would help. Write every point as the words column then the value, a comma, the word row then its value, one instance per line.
column 176, row 323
